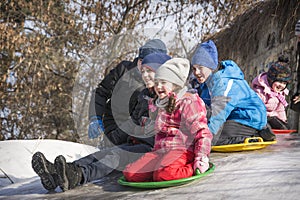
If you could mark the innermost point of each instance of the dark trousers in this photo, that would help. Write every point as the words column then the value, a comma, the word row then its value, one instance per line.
column 276, row 123
column 103, row 162
column 233, row 133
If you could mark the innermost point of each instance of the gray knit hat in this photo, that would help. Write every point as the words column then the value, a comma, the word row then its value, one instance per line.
column 175, row 70
column 297, row 28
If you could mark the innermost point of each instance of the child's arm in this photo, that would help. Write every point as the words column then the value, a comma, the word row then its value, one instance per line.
column 202, row 149
column 194, row 114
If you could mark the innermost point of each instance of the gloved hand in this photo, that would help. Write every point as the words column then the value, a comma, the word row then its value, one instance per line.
column 201, row 163
column 294, row 104
column 96, row 127
column 144, row 121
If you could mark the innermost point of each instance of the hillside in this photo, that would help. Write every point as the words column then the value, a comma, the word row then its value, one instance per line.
column 259, row 36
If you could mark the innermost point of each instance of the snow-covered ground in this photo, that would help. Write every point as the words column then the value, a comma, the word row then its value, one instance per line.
column 269, row 173
column 15, row 156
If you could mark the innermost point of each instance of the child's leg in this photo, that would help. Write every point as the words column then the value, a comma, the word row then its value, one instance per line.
column 142, row 169
column 175, row 164
column 277, row 123
column 266, row 133
column 233, row 133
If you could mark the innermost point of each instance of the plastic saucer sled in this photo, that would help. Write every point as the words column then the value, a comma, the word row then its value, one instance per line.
column 257, row 143
column 164, row 184
column 278, row 131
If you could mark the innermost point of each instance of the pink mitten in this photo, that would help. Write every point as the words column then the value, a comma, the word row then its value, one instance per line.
column 201, row 163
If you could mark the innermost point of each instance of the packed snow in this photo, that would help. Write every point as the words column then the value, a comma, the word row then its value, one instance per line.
column 269, row 173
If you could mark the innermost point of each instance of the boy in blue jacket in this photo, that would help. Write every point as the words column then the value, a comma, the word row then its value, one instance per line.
column 236, row 111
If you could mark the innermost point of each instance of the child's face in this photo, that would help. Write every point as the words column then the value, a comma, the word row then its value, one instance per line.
column 148, row 76
column 201, row 73
column 163, row 88
column 279, row 86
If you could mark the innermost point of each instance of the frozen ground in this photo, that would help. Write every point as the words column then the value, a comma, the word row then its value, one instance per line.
column 269, row 173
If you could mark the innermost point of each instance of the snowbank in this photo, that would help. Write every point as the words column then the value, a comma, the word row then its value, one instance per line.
column 16, row 155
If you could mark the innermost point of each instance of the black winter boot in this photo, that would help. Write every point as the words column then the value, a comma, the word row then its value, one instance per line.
column 267, row 134
column 46, row 171
column 69, row 174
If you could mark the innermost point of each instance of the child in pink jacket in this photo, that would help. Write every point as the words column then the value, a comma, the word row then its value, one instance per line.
column 183, row 140
column 271, row 86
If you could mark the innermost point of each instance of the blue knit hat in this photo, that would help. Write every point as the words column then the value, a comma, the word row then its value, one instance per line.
column 206, row 55
column 155, row 60
column 152, row 46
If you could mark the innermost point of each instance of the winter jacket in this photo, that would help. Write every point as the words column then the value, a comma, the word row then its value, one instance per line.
column 140, row 123
column 185, row 128
column 233, row 99
column 203, row 91
column 274, row 102
column 116, row 97
column 141, row 110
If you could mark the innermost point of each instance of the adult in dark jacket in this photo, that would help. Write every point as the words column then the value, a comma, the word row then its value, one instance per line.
column 115, row 98
column 103, row 162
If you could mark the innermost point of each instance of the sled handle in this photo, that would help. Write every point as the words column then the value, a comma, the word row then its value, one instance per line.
column 253, row 138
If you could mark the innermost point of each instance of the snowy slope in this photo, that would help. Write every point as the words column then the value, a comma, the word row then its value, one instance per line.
column 15, row 156
column 269, row 173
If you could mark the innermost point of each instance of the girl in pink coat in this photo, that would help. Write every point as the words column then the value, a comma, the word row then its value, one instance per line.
column 183, row 140
column 271, row 86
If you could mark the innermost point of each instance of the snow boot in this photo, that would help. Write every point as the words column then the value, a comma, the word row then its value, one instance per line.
column 46, row 171
column 70, row 175
column 267, row 134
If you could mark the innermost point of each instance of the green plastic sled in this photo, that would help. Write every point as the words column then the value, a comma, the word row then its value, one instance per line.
column 164, row 184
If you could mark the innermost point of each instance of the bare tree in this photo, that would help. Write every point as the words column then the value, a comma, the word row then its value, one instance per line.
column 45, row 44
